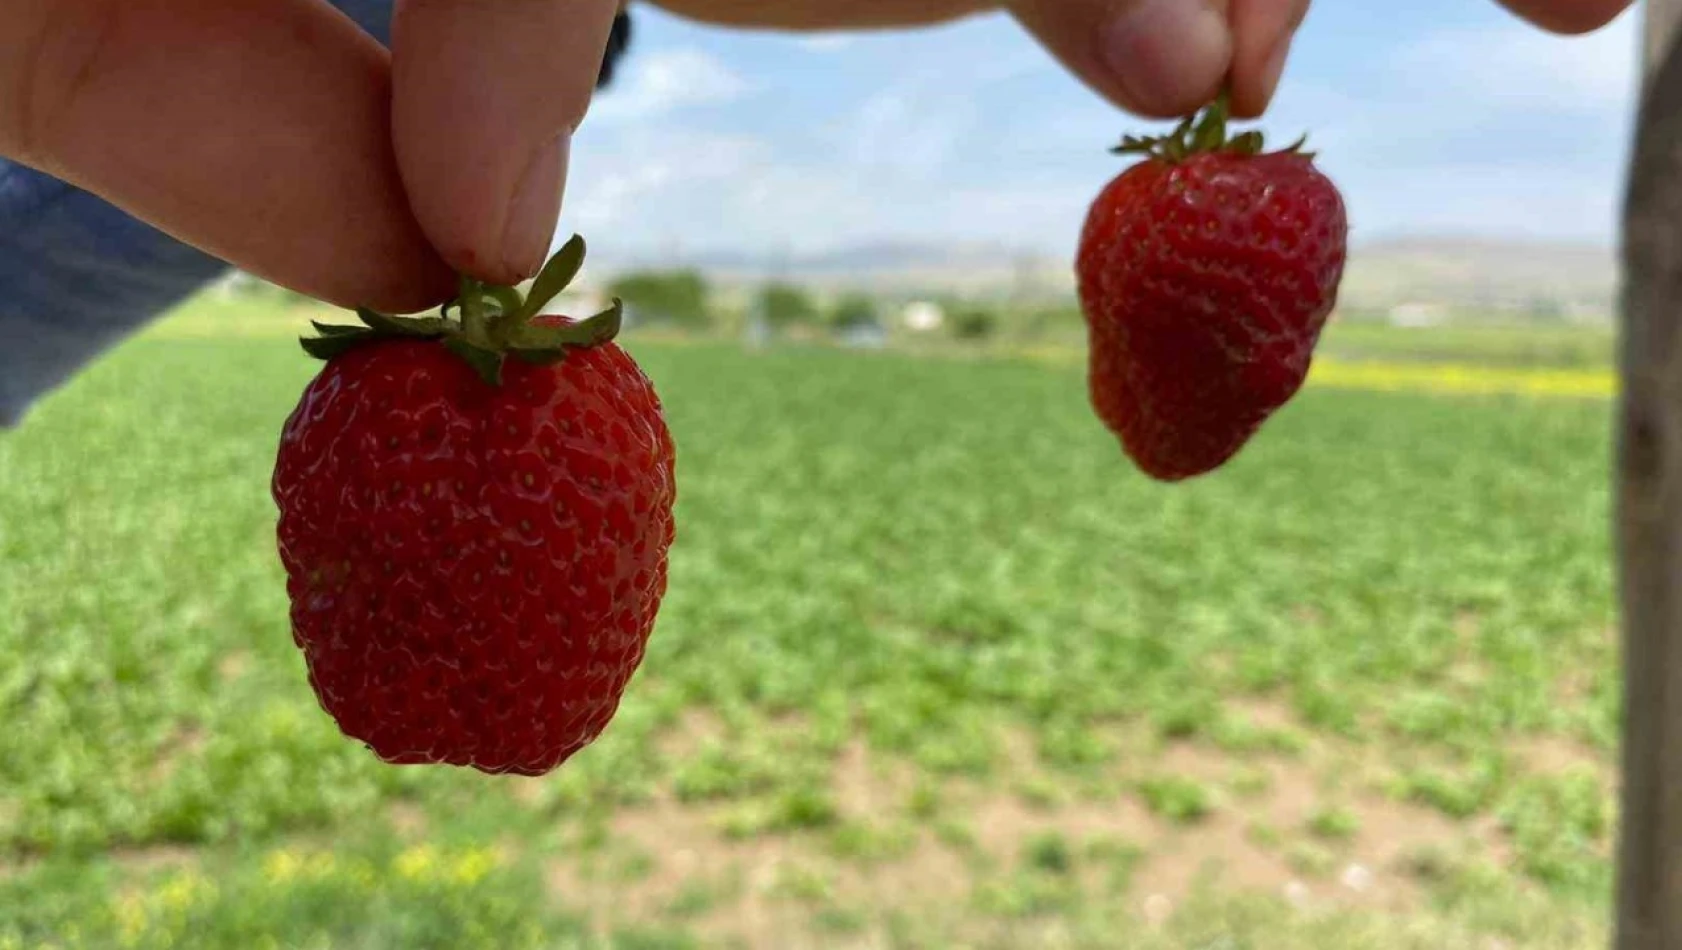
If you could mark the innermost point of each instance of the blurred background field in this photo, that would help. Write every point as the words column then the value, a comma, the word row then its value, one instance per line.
column 938, row 667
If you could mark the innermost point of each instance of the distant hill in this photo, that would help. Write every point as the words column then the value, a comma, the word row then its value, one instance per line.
column 1452, row 272
column 1473, row 273
column 895, row 267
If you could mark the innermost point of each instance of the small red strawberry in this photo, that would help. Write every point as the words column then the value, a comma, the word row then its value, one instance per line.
column 475, row 513
column 1206, row 274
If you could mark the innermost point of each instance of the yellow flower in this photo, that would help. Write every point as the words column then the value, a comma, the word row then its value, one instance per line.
column 281, row 865
column 415, row 863
column 322, row 864
column 185, row 890
column 1463, row 379
column 131, row 919
column 472, row 866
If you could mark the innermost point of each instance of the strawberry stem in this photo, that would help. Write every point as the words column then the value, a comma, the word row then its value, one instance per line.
column 493, row 322
column 474, row 324
column 1210, row 132
column 509, row 301
column 1201, row 133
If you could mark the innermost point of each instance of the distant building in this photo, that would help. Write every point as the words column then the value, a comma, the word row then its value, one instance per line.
column 1418, row 315
column 579, row 303
column 923, row 317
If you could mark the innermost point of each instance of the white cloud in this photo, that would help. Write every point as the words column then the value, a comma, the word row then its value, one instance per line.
column 827, row 42
column 1482, row 199
column 666, row 81
column 633, row 178
column 1501, row 131
column 666, row 187
column 1507, row 65
column 915, row 124
column 906, row 130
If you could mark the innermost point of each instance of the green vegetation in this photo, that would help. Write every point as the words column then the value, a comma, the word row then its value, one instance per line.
column 937, row 667
column 974, row 323
column 680, row 298
column 785, row 305
column 853, row 311
column 1177, row 799
column 1553, row 346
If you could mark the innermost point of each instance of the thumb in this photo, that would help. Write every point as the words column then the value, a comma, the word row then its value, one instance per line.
column 486, row 97
column 1568, row 16
column 1157, row 58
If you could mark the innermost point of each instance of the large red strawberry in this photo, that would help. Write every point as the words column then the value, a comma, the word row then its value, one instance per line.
column 1207, row 272
column 475, row 513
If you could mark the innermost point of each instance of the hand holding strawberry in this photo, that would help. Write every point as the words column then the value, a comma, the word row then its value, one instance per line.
column 474, row 519
column 1207, row 272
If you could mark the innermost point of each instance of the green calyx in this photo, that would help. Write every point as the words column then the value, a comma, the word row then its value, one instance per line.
column 1200, row 134
column 486, row 323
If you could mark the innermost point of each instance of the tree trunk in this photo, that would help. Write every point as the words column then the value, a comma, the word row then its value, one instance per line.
column 1649, row 516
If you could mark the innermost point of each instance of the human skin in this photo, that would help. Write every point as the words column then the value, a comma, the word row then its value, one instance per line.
column 278, row 136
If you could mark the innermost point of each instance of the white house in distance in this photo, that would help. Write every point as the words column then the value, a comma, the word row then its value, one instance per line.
column 923, row 316
column 1418, row 315
column 578, row 303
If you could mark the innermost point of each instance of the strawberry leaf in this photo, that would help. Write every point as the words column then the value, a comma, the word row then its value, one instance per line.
column 485, row 322
column 554, row 277
column 594, row 331
column 1210, row 133
column 1249, row 143
column 1134, row 145
column 542, row 357
column 1296, row 147
column 487, row 364
column 1202, row 133
column 336, row 345
column 401, row 326
column 604, row 326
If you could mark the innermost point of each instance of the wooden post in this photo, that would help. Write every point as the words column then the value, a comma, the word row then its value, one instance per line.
column 1649, row 515
column 1663, row 17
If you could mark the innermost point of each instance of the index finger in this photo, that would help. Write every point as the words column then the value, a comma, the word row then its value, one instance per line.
column 1568, row 16
column 487, row 96
column 258, row 132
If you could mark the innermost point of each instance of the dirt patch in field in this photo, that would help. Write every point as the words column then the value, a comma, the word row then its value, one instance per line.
column 1267, row 832
column 1553, row 755
column 695, row 729
column 155, row 857
column 185, row 742
column 408, row 820
column 866, row 785
column 233, row 665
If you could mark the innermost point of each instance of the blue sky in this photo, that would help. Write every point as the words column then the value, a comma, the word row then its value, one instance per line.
column 1436, row 117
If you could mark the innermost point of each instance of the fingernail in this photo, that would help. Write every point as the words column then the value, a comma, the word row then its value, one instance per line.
column 1167, row 54
column 1274, row 68
column 535, row 208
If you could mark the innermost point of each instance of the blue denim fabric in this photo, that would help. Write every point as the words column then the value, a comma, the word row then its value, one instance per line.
column 77, row 275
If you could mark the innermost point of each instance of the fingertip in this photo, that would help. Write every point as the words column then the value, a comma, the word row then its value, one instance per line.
column 1166, row 58
column 1159, row 59
column 1263, row 31
column 270, row 148
column 428, row 286
column 1568, row 17
column 1253, row 92
column 406, row 281
column 486, row 97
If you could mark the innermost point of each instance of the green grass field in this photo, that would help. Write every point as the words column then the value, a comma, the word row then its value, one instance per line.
column 937, row 668
column 1556, row 346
